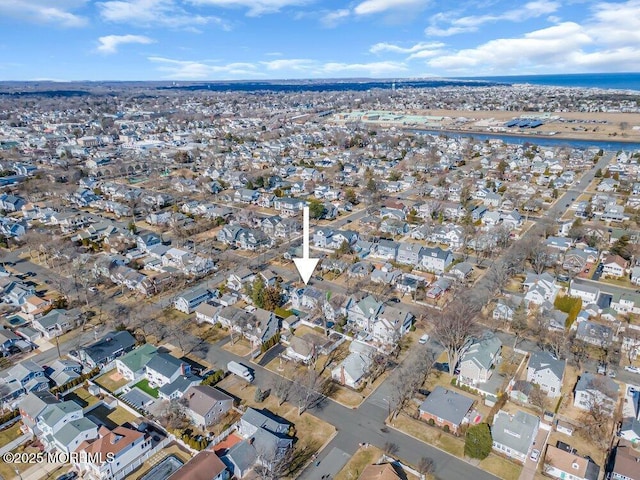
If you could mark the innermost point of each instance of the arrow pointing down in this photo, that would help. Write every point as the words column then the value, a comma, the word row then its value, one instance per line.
column 305, row 265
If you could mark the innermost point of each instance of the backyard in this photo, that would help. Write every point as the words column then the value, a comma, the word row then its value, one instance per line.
column 146, row 388
column 111, row 381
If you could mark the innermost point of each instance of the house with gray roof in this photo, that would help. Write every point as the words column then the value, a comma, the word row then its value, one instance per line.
column 189, row 300
column 107, row 349
column 177, row 388
column 513, row 434
column 476, row 365
column 546, row 371
column 355, row 367
column 27, row 376
column 205, row 405
column 593, row 389
column 435, row 259
column 164, row 368
column 446, row 408
column 61, row 372
column 32, row 405
column 594, row 333
column 71, row 435
column 54, row 323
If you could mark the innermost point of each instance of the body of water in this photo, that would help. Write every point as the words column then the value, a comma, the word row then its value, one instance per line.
column 616, row 81
column 541, row 141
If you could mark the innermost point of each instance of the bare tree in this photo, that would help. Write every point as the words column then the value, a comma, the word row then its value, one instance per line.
column 537, row 398
column 281, row 387
column 410, row 377
column 595, row 421
column 390, row 449
column 455, row 328
column 426, row 466
column 308, row 389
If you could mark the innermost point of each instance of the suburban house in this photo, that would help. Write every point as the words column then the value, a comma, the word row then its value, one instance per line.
column 506, row 307
column 384, row 471
column 513, row 434
column 593, row 388
column 435, row 260
column 354, row 369
column 205, row 405
column 540, row 288
column 61, row 372
column 614, row 265
column 477, row 363
column 132, row 365
column 164, row 368
column 27, row 376
column 594, row 333
column 266, row 439
column 446, row 408
column 626, row 462
column 565, row 463
column 107, row 349
column 32, row 405
column 124, row 444
column 54, row 323
column 188, row 301
column 546, row 371
column 587, row 293
column 206, row 465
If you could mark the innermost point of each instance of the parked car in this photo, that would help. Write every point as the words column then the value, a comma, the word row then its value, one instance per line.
column 423, row 339
column 611, row 373
column 632, row 369
column 535, row 454
column 68, row 476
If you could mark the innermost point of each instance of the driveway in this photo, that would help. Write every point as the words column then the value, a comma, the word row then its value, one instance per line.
column 530, row 467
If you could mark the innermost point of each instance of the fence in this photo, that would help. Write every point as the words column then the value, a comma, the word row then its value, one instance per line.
column 140, row 460
column 15, row 443
column 224, row 434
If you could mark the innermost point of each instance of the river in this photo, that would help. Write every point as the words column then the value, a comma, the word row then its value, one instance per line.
column 543, row 141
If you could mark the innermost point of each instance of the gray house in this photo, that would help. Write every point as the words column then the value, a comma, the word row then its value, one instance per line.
column 206, row 405
column 513, row 435
column 446, row 408
column 477, row 363
column 546, row 371
column 107, row 349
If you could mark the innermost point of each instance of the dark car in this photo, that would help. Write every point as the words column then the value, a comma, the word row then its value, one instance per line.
column 441, row 367
column 68, row 476
column 394, row 300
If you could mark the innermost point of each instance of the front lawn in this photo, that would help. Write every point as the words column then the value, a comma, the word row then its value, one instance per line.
column 145, row 387
column 357, row 463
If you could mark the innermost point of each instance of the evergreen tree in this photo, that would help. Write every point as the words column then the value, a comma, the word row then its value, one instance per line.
column 478, row 441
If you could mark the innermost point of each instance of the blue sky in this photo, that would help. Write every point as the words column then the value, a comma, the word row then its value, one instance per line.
column 267, row 39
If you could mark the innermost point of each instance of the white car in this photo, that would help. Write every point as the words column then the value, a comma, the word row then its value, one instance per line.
column 535, row 454
column 423, row 339
column 632, row 369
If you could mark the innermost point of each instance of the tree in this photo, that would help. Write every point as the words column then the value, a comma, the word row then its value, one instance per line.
column 519, row 324
column 350, row 196
column 372, row 186
column 281, row 387
column 478, row 441
column 410, row 377
column 537, row 397
column 426, row 466
column 598, row 173
column 316, row 209
column 621, row 247
column 595, row 421
column 455, row 328
column 272, row 297
column 257, row 292
column 308, row 387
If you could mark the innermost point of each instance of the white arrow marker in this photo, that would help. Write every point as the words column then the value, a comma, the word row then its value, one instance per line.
column 305, row 265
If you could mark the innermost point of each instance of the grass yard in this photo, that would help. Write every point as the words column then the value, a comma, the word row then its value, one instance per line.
column 111, row 381
column 501, row 467
column 119, row 416
column 83, row 397
column 9, row 434
column 455, row 446
column 357, row 463
column 145, row 387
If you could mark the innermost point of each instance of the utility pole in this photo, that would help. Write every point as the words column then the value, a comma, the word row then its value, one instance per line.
column 58, row 347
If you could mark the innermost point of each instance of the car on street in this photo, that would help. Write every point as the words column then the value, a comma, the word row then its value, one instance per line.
column 611, row 374
column 535, row 455
column 632, row 369
column 423, row 339
column 93, row 289
column 68, row 476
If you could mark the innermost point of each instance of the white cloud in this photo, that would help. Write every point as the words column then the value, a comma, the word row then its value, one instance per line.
column 57, row 13
column 390, row 47
column 533, row 9
column 369, row 7
column 255, row 7
column 293, row 68
column 155, row 13
column 197, row 70
column 333, row 18
column 110, row 43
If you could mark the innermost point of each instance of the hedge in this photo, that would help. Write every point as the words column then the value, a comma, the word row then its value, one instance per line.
column 214, row 378
column 569, row 305
column 270, row 343
column 75, row 382
column 9, row 416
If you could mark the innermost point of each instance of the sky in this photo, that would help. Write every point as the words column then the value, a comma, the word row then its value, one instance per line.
column 286, row 39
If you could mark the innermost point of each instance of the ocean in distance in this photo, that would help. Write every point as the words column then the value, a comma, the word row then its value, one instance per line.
column 616, row 81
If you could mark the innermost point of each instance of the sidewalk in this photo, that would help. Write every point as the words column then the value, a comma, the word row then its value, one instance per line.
column 42, row 471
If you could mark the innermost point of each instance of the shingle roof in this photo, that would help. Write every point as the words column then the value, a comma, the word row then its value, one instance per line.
column 447, row 404
column 514, row 431
column 544, row 360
